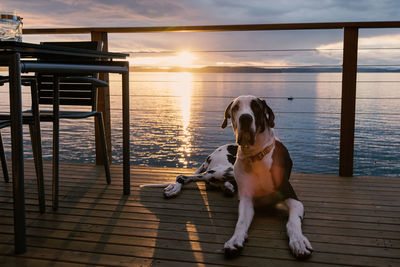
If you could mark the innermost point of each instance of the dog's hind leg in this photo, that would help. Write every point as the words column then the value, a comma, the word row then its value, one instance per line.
column 298, row 243
column 211, row 176
column 201, row 169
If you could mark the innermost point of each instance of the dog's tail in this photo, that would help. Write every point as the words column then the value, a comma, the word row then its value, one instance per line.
column 154, row 185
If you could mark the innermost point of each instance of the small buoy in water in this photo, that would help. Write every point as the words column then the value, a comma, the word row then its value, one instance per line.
column 290, row 98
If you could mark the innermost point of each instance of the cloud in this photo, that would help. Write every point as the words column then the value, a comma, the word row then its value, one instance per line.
column 282, row 11
column 84, row 13
column 57, row 13
column 191, row 12
column 375, row 50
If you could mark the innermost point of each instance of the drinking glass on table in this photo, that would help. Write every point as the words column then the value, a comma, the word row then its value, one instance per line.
column 10, row 27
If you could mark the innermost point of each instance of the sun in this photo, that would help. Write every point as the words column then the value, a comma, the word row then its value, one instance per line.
column 183, row 59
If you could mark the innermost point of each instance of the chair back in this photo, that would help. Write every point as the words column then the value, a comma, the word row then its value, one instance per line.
column 73, row 91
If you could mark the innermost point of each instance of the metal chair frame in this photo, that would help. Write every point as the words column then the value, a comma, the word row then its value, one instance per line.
column 75, row 90
column 60, row 89
column 34, row 129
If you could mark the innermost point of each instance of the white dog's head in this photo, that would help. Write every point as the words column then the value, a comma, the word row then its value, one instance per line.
column 249, row 115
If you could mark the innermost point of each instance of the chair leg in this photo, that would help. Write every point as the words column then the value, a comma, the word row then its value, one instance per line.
column 34, row 129
column 37, row 157
column 3, row 161
column 100, row 122
column 56, row 127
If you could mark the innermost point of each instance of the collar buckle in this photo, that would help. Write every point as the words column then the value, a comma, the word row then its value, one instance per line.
column 262, row 154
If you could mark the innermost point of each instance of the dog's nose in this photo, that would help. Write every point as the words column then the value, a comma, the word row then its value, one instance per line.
column 245, row 121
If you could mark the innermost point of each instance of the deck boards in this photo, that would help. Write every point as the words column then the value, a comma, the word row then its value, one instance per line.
column 349, row 221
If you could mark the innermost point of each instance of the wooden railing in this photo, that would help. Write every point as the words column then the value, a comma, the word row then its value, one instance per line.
column 349, row 70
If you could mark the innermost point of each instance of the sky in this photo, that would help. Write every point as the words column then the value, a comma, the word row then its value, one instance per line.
column 116, row 13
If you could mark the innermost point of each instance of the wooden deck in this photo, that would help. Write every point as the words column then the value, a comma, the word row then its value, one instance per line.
column 349, row 221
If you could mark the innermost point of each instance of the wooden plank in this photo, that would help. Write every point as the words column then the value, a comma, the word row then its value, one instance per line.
column 144, row 177
column 347, row 221
column 177, row 217
column 185, row 232
column 347, row 192
column 83, row 195
column 81, row 257
column 86, row 194
column 159, row 173
column 11, row 261
column 126, row 133
column 135, row 204
column 272, row 224
column 181, row 229
column 331, row 196
column 364, row 201
column 205, row 28
column 103, row 104
column 260, row 223
column 124, row 236
column 348, row 105
column 182, row 249
column 217, row 199
column 262, row 228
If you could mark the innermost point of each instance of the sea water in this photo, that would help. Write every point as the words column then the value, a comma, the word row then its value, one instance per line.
column 176, row 117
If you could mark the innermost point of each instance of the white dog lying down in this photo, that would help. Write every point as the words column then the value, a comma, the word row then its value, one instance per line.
column 258, row 167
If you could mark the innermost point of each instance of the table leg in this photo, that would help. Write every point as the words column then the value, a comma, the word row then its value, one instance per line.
column 17, row 153
column 126, row 133
column 56, row 139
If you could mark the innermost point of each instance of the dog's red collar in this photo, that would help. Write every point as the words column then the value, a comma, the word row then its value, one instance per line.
column 261, row 155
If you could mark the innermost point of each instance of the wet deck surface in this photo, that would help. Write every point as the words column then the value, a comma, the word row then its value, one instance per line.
column 349, row 221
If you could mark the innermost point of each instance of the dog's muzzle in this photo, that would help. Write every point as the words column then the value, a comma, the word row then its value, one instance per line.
column 246, row 134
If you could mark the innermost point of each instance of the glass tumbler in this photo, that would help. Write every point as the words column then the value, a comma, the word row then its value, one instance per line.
column 10, row 27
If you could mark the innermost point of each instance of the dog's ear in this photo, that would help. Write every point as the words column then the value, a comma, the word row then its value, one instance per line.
column 227, row 116
column 269, row 114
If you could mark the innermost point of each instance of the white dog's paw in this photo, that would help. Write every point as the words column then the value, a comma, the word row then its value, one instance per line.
column 228, row 189
column 301, row 247
column 172, row 190
column 234, row 246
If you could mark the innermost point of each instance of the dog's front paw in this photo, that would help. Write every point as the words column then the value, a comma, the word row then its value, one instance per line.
column 301, row 247
column 172, row 190
column 234, row 246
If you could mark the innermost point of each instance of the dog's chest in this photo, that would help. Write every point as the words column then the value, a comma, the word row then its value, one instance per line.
column 254, row 179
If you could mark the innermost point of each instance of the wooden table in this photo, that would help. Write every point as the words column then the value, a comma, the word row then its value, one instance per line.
column 11, row 54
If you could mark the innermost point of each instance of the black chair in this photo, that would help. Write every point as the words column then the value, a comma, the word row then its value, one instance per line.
column 70, row 90
column 34, row 128
column 3, row 124
column 2, row 153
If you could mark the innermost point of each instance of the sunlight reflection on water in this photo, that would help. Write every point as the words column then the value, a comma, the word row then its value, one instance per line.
column 183, row 88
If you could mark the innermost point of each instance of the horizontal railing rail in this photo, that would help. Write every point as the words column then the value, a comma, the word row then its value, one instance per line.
column 349, row 66
column 205, row 28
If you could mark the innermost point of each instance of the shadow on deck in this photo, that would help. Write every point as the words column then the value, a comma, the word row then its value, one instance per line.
column 349, row 221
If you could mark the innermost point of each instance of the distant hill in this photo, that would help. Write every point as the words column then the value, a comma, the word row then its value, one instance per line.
column 210, row 69
column 246, row 69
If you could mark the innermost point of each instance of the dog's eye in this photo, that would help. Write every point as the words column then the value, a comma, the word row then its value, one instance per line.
column 255, row 106
column 235, row 108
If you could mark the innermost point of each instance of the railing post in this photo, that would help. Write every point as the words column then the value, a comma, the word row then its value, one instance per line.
column 349, row 81
column 103, row 104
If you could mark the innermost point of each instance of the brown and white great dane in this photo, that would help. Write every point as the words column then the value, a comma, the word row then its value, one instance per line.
column 258, row 166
